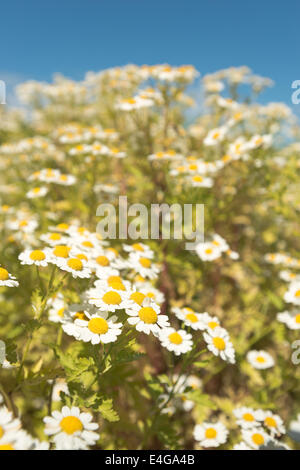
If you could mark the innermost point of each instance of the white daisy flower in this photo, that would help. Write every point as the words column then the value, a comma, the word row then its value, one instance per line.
column 57, row 308
column 70, row 429
column 220, row 242
column 77, row 267
column 293, row 294
column 176, row 341
column 255, row 438
column 241, row 446
column 248, row 418
column 291, row 319
column 189, row 318
column 65, row 180
column 59, row 253
column 210, row 434
column 54, row 238
column 208, row 251
column 147, row 317
column 109, row 299
column 219, row 344
column 260, row 359
column 6, row 279
column 289, row 276
column 215, row 136
column 37, row 192
column 165, row 155
column 95, row 328
column 210, row 322
column 273, row 423
column 143, row 266
column 60, row 386
column 232, row 254
column 7, row 421
column 199, row 181
column 139, row 248
column 37, row 257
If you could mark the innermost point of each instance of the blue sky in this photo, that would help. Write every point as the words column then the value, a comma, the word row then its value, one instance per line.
column 41, row 37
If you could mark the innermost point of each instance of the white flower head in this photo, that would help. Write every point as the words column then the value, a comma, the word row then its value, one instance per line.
column 147, row 317
column 260, row 359
column 176, row 341
column 210, row 434
column 219, row 344
column 6, row 279
column 40, row 257
column 70, row 429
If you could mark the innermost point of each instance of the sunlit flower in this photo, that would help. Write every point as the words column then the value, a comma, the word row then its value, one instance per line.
column 248, row 418
column 36, row 192
column 219, row 344
column 40, row 257
column 147, row 317
column 95, row 328
column 176, row 341
column 260, row 359
column 6, row 279
column 210, row 434
column 190, row 317
column 293, row 293
column 70, row 429
column 255, row 438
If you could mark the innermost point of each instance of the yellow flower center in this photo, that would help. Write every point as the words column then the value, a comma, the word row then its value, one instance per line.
column 61, row 251
column 55, row 236
column 82, row 256
column 1, row 431
column 219, row 343
column 198, row 179
column 210, row 433
column 260, row 359
column 145, row 262
column 213, row 324
column 117, row 285
column 80, row 316
column 208, row 251
column 151, row 295
column 88, row 244
column 37, row 255
column 99, row 326
column 114, row 279
column 175, row 338
column 148, row 315
column 270, row 422
column 137, row 247
column 75, row 263
column 71, row 424
column 4, row 275
column 258, row 439
column 60, row 312
column 36, row 190
column 112, row 298
column 297, row 318
column 137, row 297
column 297, row 294
column 216, row 135
column 6, row 447
column 248, row 417
column 63, row 226
column 191, row 317
column 102, row 260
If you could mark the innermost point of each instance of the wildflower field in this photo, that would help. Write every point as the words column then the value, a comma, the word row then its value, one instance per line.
column 122, row 343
